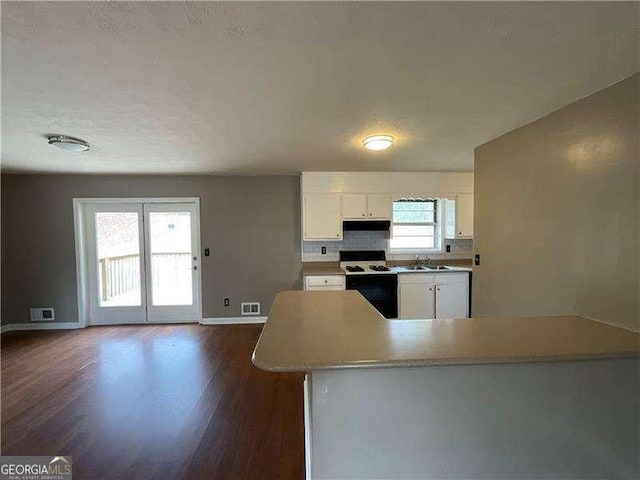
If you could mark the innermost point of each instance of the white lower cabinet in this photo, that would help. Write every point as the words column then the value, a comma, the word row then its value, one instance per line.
column 452, row 300
column 324, row 282
column 423, row 296
column 416, row 300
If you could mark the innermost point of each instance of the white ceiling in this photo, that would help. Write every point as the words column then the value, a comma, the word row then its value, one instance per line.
column 262, row 88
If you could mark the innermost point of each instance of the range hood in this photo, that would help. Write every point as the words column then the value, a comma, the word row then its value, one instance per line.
column 366, row 225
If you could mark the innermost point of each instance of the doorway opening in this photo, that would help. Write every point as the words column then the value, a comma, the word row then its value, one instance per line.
column 138, row 260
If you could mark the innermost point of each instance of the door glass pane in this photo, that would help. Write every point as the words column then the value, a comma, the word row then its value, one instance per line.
column 170, row 242
column 118, row 259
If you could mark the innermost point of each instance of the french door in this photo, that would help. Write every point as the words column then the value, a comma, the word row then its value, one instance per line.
column 142, row 261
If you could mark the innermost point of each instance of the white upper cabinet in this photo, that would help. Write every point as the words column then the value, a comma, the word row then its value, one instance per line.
column 330, row 197
column 465, row 214
column 459, row 216
column 366, row 206
column 379, row 205
column 322, row 216
column 354, row 205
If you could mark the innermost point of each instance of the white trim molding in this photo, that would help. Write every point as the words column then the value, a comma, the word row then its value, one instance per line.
column 232, row 320
column 137, row 200
column 12, row 327
column 82, row 270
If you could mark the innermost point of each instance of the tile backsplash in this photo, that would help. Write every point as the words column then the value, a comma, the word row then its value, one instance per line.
column 375, row 240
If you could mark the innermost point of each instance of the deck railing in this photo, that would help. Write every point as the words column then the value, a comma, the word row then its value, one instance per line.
column 120, row 275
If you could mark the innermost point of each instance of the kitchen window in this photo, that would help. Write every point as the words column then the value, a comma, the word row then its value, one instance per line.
column 416, row 226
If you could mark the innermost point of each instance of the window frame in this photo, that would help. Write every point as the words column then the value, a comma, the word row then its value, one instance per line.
column 438, row 225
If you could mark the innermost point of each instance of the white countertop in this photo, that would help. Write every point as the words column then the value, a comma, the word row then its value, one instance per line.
column 340, row 329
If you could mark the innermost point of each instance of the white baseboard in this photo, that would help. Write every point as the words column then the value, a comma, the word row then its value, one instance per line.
column 12, row 327
column 232, row 320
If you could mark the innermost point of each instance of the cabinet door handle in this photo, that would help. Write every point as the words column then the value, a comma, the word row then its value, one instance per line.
column 431, row 289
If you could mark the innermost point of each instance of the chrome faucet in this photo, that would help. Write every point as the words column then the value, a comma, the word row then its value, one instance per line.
column 426, row 261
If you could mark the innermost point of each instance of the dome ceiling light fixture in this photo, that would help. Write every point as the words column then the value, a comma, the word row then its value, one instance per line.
column 377, row 142
column 69, row 144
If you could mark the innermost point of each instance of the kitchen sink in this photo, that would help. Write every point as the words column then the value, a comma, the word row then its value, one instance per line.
column 414, row 268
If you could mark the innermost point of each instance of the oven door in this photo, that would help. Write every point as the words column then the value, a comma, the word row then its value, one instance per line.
column 380, row 290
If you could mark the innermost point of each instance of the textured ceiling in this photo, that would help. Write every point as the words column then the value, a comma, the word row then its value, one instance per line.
column 260, row 88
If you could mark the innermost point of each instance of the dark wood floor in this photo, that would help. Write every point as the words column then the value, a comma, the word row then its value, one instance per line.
column 171, row 401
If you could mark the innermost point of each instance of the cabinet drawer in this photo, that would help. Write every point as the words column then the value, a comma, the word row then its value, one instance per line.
column 416, row 278
column 325, row 288
column 324, row 281
column 443, row 278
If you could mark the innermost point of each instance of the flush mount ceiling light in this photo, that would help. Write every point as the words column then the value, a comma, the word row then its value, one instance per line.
column 69, row 144
column 378, row 142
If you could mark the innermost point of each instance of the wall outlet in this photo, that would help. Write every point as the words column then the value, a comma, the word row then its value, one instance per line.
column 42, row 314
column 448, row 248
column 324, row 250
column 250, row 308
column 226, row 302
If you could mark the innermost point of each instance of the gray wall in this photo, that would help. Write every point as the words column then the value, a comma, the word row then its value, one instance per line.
column 251, row 224
column 557, row 213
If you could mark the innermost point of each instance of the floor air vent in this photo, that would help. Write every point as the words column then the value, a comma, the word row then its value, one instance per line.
column 42, row 314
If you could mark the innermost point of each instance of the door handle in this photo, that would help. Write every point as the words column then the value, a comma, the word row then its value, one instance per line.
column 195, row 259
column 195, row 267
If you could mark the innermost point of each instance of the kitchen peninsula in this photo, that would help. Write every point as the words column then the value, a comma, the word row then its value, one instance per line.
column 487, row 397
